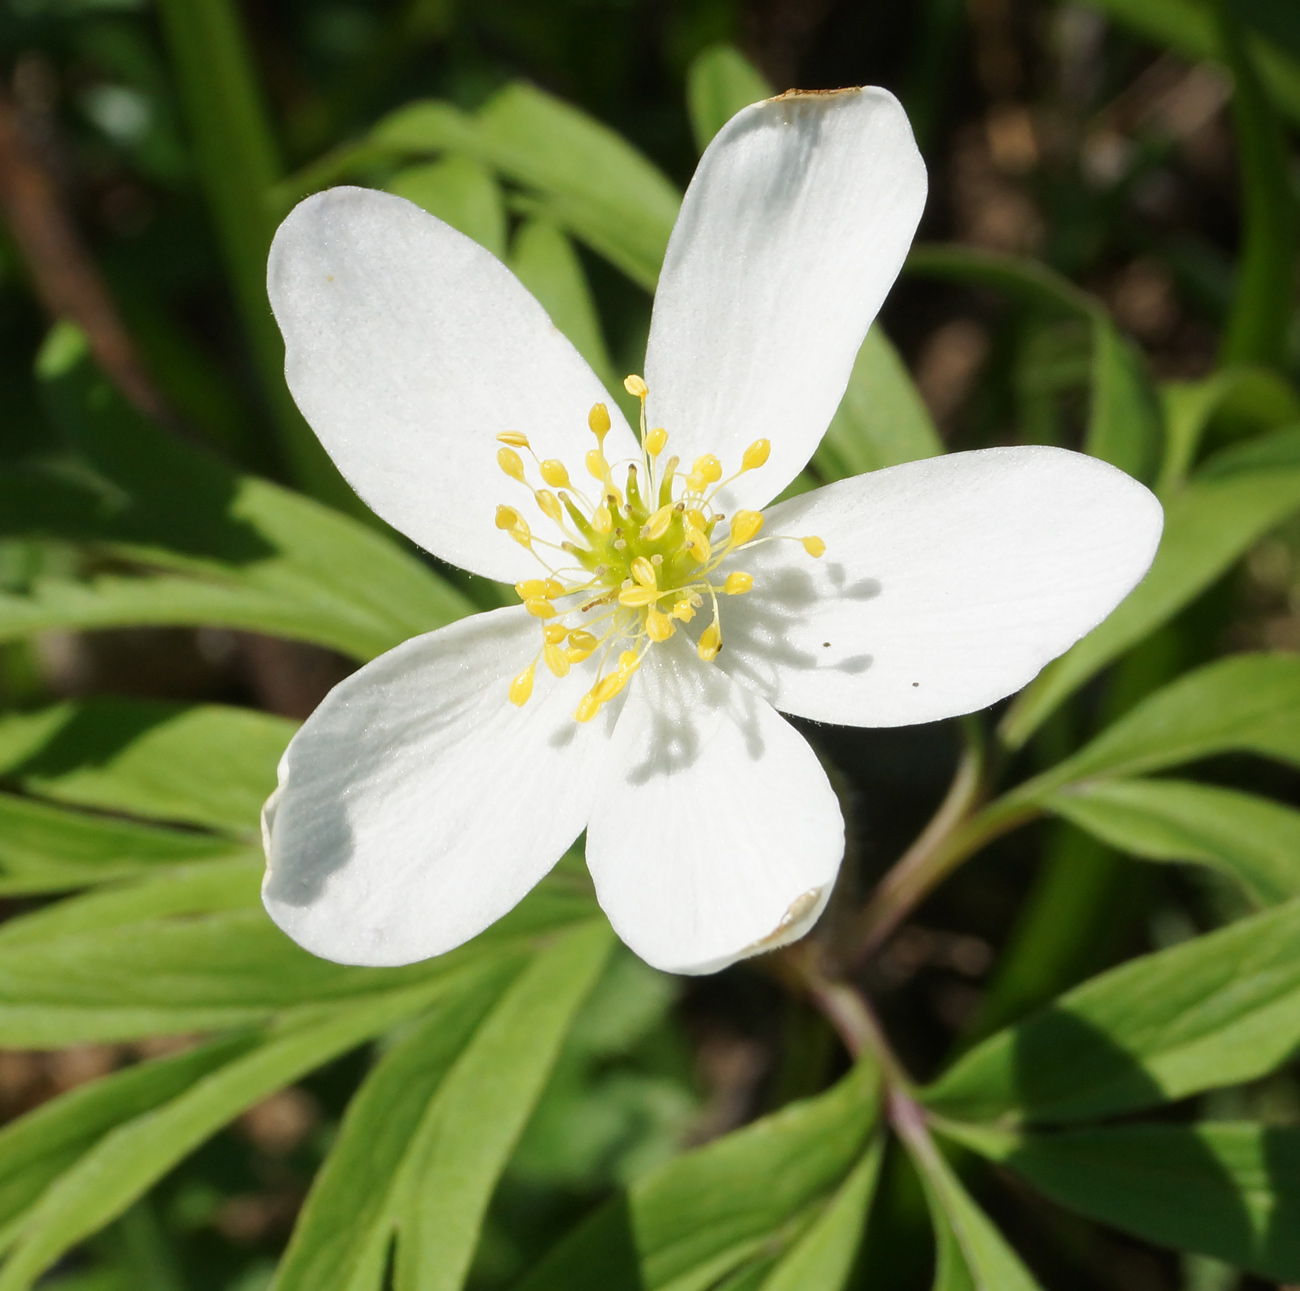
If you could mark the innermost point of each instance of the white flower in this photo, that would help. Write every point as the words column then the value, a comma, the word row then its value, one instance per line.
column 431, row 790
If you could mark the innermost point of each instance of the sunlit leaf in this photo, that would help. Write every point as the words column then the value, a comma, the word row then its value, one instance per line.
column 461, row 192
column 719, row 83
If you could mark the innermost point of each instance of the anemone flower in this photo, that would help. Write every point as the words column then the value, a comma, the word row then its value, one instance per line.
column 666, row 620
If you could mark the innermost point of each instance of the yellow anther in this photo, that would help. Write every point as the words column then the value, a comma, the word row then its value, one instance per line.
column 814, row 546
column 554, row 633
column 609, row 686
column 509, row 461
column 635, row 386
column 657, row 525
column 581, row 639
column 554, row 473
column 683, row 610
column 695, row 482
column 756, row 455
column 638, row 596
column 655, row 441
column 550, row 505
column 738, row 583
column 598, row 420
column 615, row 496
column 708, row 468
column 513, row 438
column 577, row 656
column 744, row 526
column 588, row 708
column 556, row 660
column 658, row 626
column 601, row 520
column 597, row 466
column 644, row 572
column 554, row 588
column 697, row 544
column 522, row 687
column 531, row 587
column 629, row 661
column 508, row 518
column 710, row 642
column 539, row 607
column 696, row 518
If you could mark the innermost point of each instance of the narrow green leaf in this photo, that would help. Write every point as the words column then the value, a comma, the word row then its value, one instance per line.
column 1224, row 1189
column 823, row 1256
column 1251, row 839
column 201, row 764
column 461, row 192
column 481, row 1107
column 698, row 1218
column 881, row 421
column 48, row 849
column 1246, row 703
column 352, row 1208
column 130, row 1159
column 38, row 1147
column 544, row 260
column 1219, row 1010
column 719, row 83
column 971, row 1254
column 1208, row 527
column 1278, row 450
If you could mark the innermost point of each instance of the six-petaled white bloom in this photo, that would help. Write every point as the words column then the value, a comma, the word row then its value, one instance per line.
column 666, row 619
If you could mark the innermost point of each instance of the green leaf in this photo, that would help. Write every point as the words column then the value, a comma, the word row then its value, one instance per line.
column 1223, row 1189
column 881, row 421
column 719, row 83
column 261, row 557
column 38, row 1147
column 202, row 764
column 48, row 849
column 1251, row 839
column 343, row 1234
column 1208, row 527
column 1280, row 449
column 130, row 1159
column 480, row 1109
column 823, row 1256
column 544, row 260
column 1219, row 1010
column 971, row 1255
column 702, row 1216
column 1246, row 703
column 461, row 192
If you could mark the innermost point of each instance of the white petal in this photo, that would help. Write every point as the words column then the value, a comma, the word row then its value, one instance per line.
column 792, row 231
column 715, row 834
column 408, row 348
column 417, row 804
column 946, row 584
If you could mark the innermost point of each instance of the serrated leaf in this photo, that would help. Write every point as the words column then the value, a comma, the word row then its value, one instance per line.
column 461, row 192
column 47, row 849
column 1219, row 1010
column 1253, row 840
column 130, row 1159
column 351, row 1211
column 692, row 1222
column 720, row 82
column 200, row 764
column 823, row 1257
column 1229, row 1190
column 881, row 421
column 1208, row 527
column 479, row 1111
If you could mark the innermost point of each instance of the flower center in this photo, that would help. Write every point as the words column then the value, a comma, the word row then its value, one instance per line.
column 629, row 563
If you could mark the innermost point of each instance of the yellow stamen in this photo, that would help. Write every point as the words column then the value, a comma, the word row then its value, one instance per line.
column 710, row 642
column 697, row 544
column 601, row 520
column 737, row 583
column 554, row 588
column 509, row 461
column 756, row 455
column 556, row 660
column 508, row 518
column 744, row 526
column 598, row 420
column 635, row 386
column 522, row 687
column 588, row 708
column 658, row 626
column 814, row 546
column 657, row 525
column 513, row 438
column 554, row 473
column 539, row 607
column 531, row 587
column 633, row 597
column 708, row 468
column 644, row 572
column 597, row 466
column 550, row 505
column 683, row 610
column 580, row 639
column 655, row 441
column 554, row 633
